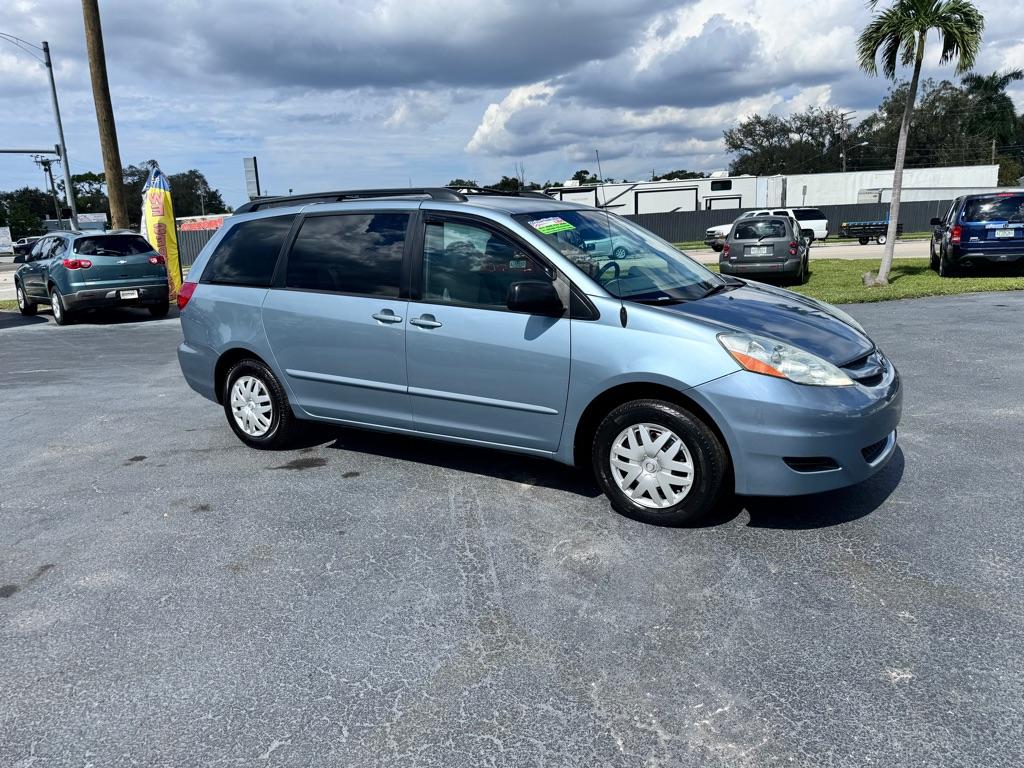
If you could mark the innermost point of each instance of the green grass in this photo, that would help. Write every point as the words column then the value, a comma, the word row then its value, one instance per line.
column 8, row 304
column 839, row 281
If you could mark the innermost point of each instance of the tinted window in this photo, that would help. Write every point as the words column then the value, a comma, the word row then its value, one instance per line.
column 59, row 247
column 719, row 186
column 248, row 253
column 808, row 214
column 756, row 230
column 1001, row 208
column 464, row 264
column 112, row 245
column 40, row 248
column 357, row 253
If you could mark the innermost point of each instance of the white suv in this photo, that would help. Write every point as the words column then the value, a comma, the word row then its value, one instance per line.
column 809, row 218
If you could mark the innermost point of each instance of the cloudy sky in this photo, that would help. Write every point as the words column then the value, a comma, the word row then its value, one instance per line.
column 340, row 93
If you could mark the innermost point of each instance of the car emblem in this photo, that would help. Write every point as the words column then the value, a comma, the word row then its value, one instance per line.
column 122, row 261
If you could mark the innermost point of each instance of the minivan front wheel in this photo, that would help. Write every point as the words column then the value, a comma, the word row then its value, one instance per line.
column 658, row 463
column 256, row 406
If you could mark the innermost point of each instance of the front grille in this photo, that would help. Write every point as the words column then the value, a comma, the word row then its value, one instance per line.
column 873, row 451
column 811, row 463
column 868, row 370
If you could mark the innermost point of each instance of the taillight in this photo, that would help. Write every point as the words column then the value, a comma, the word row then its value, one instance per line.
column 184, row 294
column 158, row 259
column 792, row 248
column 954, row 236
column 725, row 249
column 77, row 263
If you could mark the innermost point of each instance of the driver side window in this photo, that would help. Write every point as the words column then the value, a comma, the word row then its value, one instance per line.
column 472, row 266
column 40, row 248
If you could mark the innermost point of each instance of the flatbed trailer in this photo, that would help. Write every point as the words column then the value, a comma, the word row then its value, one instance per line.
column 866, row 231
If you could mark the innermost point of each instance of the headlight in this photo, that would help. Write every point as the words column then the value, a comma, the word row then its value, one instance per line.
column 773, row 358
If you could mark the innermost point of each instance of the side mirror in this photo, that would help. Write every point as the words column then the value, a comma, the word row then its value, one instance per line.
column 535, row 297
column 19, row 258
column 936, row 222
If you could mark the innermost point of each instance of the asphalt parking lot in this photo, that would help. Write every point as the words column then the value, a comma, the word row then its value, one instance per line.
column 170, row 597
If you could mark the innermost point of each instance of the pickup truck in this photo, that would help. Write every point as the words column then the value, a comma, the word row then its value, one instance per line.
column 866, row 231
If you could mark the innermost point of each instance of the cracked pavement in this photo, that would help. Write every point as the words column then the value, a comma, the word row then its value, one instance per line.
column 170, row 597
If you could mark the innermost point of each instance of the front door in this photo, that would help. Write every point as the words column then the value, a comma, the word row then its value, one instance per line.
column 336, row 323
column 32, row 278
column 477, row 370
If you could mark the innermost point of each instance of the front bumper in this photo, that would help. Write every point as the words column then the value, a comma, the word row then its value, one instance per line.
column 95, row 298
column 787, row 267
column 766, row 421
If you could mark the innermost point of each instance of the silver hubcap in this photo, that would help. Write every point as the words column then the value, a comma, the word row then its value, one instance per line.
column 651, row 465
column 250, row 405
column 21, row 297
column 55, row 304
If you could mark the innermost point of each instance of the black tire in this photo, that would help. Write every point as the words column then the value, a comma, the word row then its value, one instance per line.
column 863, row 240
column 708, row 457
column 881, row 239
column 946, row 269
column 159, row 310
column 933, row 260
column 26, row 306
column 61, row 315
column 282, row 426
column 717, row 248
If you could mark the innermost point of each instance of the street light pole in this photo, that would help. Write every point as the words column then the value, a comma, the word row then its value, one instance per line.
column 69, row 191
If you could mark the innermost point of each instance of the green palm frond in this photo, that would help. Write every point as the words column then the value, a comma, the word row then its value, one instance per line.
column 892, row 36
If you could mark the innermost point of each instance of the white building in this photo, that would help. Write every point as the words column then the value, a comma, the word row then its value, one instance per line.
column 721, row 191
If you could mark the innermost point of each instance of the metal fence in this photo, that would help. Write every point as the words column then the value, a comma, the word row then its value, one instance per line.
column 688, row 226
column 193, row 233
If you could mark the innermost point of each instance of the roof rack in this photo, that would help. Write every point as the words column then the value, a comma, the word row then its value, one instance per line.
column 434, row 193
column 502, row 192
column 443, row 194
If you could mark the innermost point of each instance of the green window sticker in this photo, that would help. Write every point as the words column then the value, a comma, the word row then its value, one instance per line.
column 551, row 225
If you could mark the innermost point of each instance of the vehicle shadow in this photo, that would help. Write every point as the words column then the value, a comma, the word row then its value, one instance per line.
column 819, row 510
column 486, row 462
column 16, row 320
column 118, row 316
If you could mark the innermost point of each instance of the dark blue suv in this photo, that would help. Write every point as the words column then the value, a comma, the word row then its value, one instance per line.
column 979, row 230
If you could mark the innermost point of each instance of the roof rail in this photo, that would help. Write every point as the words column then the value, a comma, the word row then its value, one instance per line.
column 434, row 193
column 467, row 190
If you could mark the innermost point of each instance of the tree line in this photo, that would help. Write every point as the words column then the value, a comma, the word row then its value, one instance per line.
column 952, row 124
column 23, row 210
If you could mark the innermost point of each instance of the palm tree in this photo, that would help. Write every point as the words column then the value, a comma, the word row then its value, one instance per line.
column 992, row 107
column 899, row 33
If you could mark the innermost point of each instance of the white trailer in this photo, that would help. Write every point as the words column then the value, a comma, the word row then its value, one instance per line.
column 665, row 196
column 876, row 186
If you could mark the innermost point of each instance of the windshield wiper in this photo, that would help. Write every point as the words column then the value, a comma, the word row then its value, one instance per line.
column 718, row 289
column 660, row 301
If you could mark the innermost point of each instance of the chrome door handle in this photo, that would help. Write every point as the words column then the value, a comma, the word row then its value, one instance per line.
column 386, row 316
column 425, row 321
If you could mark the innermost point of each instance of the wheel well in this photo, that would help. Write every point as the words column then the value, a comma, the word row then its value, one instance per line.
column 224, row 363
column 604, row 403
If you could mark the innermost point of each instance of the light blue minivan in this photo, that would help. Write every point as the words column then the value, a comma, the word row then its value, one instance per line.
column 484, row 319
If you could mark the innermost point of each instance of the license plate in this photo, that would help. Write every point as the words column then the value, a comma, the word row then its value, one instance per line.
column 1004, row 233
column 128, row 294
column 760, row 250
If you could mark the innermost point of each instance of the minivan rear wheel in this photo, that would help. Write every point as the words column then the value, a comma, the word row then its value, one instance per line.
column 658, row 463
column 257, row 407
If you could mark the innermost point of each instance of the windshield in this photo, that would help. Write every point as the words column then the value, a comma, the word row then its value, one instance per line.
column 112, row 245
column 1002, row 208
column 808, row 214
column 626, row 259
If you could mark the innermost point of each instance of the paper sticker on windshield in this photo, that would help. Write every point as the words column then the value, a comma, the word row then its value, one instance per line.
column 551, row 225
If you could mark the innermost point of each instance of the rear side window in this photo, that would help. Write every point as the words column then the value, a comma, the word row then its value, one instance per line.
column 112, row 245
column 248, row 253
column 720, row 186
column 358, row 253
column 808, row 214
column 756, row 230
column 1001, row 208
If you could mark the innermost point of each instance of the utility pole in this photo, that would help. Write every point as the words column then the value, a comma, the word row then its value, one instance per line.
column 69, row 190
column 104, row 115
column 45, row 163
column 843, row 132
column 993, row 151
